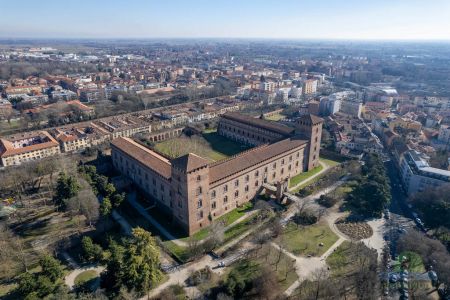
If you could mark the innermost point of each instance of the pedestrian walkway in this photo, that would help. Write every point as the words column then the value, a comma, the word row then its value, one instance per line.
column 325, row 168
column 306, row 266
column 132, row 200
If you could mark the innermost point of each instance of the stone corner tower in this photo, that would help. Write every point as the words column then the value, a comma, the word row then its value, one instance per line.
column 310, row 127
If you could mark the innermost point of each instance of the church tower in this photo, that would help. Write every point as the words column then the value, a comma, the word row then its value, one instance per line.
column 310, row 128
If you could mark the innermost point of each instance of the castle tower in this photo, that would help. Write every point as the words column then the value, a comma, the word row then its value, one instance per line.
column 310, row 127
column 190, row 192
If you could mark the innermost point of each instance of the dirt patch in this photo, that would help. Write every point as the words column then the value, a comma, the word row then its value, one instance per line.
column 355, row 230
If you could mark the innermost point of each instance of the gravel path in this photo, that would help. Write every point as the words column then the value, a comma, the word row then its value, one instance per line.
column 70, row 278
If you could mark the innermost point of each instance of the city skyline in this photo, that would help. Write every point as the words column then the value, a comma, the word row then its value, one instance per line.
column 332, row 19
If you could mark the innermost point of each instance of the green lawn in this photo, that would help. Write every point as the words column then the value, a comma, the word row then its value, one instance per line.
column 330, row 162
column 223, row 145
column 85, row 277
column 236, row 213
column 265, row 259
column 415, row 262
column 305, row 240
column 228, row 219
column 338, row 260
column 275, row 117
column 305, row 175
column 240, row 228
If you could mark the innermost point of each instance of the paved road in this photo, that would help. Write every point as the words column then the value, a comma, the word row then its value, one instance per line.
column 401, row 215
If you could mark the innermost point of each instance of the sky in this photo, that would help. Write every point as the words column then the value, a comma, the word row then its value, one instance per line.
column 281, row 19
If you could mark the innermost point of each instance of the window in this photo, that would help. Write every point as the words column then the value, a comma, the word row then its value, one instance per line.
column 246, row 188
column 162, row 187
column 225, row 199
column 199, row 178
column 213, row 205
column 256, row 183
column 199, row 190
column 236, row 183
column 199, row 203
column 256, row 173
column 290, row 167
column 296, row 163
column 290, row 158
column 247, row 178
column 213, row 194
column 200, row 215
column 282, row 170
column 180, row 204
column 274, row 175
column 225, row 188
column 282, row 161
column 265, row 169
column 274, row 165
column 154, row 181
column 236, row 194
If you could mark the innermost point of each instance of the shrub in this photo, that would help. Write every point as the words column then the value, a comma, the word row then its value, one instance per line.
column 326, row 201
column 305, row 218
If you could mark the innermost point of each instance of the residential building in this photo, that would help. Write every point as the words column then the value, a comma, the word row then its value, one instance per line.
column 417, row 175
column 25, row 147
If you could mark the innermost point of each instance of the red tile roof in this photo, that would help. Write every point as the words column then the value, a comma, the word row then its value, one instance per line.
column 144, row 155
column 222, row 169
column 256, row 122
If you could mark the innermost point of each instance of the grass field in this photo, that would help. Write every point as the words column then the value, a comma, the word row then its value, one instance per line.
column 9, row 128
column 275, row 117
column 329, row 162
column 338, row 260
column 85, row 277
column 305, row 240
column 265, row 260
column 415, row 262
column 210, row 145
column 303, row 176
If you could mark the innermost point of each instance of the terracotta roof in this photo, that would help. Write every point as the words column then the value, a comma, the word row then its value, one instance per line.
column 222, row 169
column 267, row 125
column 144, row 155
column 312, row 119
column 7, row 148
column 189, row 162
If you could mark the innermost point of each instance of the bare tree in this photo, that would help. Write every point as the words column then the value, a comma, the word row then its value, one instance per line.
column 85, row 203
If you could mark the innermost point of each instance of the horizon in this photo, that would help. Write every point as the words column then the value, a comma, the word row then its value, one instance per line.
column 382, row 20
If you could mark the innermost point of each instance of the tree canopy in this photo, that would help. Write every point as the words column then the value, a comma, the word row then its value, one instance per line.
column 134, row 264
column 373, row 193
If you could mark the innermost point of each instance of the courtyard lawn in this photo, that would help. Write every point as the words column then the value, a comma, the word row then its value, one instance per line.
column 303, row 176
column 223, row 145
column 275, row 117
column 209, row 145
column 305, row 240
